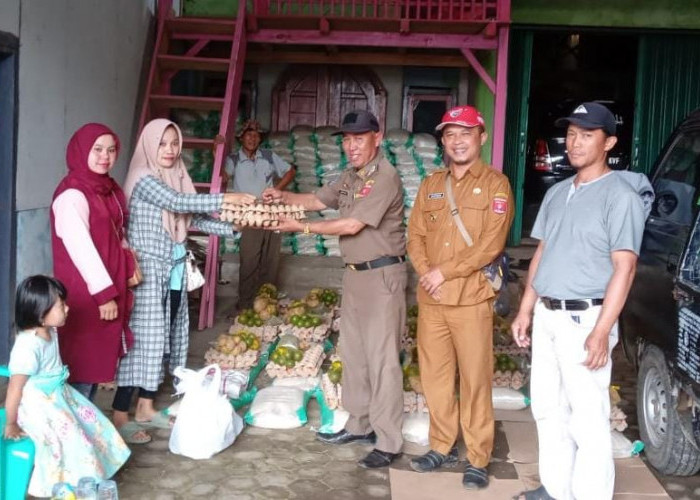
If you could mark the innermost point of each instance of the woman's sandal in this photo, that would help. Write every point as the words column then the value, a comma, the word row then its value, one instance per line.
column 536, row 494
column 159, row 420
column 133, row 433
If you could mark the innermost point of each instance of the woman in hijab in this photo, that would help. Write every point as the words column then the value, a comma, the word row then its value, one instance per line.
column 88, row 221
column 163, row 204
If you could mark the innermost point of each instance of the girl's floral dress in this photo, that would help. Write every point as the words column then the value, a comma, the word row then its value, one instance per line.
column 71, row 436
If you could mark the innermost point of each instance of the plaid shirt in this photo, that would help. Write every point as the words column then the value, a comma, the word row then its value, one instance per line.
column 155, row 341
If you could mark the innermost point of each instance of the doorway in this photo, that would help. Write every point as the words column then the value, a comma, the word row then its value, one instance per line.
column 570, row 67
column 8, row 133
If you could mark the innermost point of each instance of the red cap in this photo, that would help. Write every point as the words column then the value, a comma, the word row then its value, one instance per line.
column 464, row 116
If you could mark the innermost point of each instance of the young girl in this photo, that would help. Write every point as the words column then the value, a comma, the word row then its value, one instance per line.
column 72, row 438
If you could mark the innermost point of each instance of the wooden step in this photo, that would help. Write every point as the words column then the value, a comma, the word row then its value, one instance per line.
column 190, row 142
column 193, row 63
column 188, row 102
column 201, row 26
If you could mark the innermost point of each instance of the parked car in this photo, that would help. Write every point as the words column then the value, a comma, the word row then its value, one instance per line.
column 660, row 324
column 547, row 161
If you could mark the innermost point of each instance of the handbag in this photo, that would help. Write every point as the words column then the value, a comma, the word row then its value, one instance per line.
column 206, row 422
column 195, row 278
column 496, row 273
column 137, row 277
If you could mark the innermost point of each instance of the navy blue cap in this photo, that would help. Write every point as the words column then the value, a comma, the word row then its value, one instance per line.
column 590, row 115
column 358, row 122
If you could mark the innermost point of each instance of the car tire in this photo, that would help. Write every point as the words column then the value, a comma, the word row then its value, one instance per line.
column 667, row 435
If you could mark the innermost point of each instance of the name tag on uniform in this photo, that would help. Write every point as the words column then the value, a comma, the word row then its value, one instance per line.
column 436, row 196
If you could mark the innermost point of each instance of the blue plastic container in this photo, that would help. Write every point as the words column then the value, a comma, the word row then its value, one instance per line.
column 16, row 460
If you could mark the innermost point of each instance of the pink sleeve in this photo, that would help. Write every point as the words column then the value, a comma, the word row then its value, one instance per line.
column 72, row 221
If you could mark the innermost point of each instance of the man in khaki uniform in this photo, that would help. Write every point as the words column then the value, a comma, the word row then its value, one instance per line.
column 455, row 321
column 369, row 197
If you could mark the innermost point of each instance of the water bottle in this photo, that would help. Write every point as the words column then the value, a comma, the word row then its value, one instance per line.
column 86, row 489
column 107, row 490
column 62, row 491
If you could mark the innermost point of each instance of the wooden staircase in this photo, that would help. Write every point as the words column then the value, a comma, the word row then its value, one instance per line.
column 197, row 35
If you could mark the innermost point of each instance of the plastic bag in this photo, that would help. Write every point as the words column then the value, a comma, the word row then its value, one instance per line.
column 505, row 398
column 623, row 447
column 206, row 422
column 332, row 420
column 278, row 407
column 416, row 428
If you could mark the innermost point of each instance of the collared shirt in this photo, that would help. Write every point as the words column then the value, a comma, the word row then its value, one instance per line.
column 580, row 227
column 485, row 203
column 373, row 195
column 254, row 175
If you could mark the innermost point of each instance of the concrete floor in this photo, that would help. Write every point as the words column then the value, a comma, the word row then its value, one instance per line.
column 266, row 464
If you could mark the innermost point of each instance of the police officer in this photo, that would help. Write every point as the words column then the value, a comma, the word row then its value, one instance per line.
column 455, row 320
column 253, row 169
column 372, row 243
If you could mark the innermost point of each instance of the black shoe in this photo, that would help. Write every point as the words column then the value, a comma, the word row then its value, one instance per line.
column 378, row 458
column 434, row 460
column 475, row 478
column 344, row 437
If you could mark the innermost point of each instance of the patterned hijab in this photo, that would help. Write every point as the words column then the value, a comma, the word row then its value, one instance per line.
column 144, row 163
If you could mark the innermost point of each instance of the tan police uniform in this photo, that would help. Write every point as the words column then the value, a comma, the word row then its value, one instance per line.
column 457, row 331
column 374, row 300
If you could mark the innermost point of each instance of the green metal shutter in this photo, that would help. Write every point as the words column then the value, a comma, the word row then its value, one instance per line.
column 517, row 107
column 668, row 88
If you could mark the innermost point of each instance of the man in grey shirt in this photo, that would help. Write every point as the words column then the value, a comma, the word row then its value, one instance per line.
column 590, row 230
column 253, row 170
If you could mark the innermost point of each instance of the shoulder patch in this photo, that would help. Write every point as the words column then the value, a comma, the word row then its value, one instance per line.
column 499, row 205
column 366, row 189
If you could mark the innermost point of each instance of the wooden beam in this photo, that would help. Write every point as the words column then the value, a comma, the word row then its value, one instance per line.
column 480, row 70
column 378, row 58
column 371, row 39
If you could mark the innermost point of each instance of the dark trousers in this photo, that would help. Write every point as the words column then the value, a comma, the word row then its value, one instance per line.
column 260, row 259
column 124, row 394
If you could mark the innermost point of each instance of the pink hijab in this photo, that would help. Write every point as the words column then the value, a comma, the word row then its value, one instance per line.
column 144, row 163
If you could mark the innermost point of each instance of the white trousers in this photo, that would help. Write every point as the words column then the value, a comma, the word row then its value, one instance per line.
column 571, row 406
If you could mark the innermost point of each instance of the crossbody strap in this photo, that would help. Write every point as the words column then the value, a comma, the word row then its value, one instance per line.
column 455, row 212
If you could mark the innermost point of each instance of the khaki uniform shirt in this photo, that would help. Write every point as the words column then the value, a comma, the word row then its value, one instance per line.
column 373, row 195
column 485, row 203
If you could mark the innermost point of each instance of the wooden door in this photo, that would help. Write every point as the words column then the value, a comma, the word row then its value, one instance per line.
column 320, row 95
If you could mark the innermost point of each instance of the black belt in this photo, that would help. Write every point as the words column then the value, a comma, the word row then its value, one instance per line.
column 374, row 264
column 570, row 305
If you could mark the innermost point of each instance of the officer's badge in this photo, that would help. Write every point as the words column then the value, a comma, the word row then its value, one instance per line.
column 366, row 189
column 499, row 205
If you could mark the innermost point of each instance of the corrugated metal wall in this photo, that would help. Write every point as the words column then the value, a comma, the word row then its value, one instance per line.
column 668, row 88
column 519, row 66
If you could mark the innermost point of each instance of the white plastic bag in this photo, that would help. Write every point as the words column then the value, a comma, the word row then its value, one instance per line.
column 278, row 407
column 416, row 428
column 206, row 422
column 623, row 447
column 505, row 398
